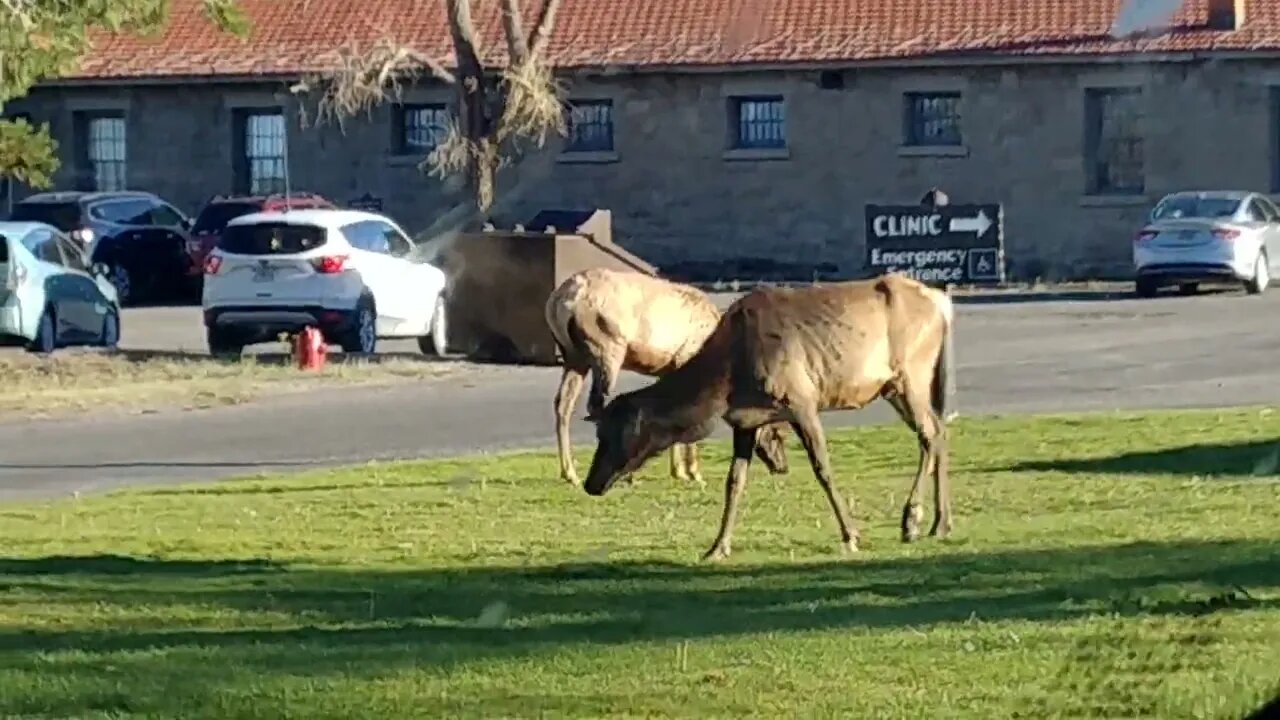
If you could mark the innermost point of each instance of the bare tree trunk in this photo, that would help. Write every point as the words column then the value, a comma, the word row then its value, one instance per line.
column 473, row 103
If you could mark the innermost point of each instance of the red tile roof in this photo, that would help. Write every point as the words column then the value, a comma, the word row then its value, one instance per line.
column 293, row 36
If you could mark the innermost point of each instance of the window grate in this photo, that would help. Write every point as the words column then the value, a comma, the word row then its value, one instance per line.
column 760, row 122
column 106, row 153
column 1116, row 143
column 423, row 128
column 933, row 119
column 590, row 126
column 264, row 143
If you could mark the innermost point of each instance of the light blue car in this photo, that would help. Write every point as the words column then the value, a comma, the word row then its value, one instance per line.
column 48, row 297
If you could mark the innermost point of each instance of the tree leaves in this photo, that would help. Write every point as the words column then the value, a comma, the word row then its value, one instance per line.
column 44, row 39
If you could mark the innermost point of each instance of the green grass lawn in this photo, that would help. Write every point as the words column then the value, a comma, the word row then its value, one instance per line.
column 1102, row 566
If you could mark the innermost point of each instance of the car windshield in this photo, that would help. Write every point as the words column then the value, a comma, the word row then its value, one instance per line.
column 270, row 239
column 215, row 216
column 1194, row 206
column 63, row 215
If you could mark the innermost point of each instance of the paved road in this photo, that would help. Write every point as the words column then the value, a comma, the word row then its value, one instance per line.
column 1013, row 357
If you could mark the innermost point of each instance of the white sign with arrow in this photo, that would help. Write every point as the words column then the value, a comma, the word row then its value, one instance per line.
column 978, row 224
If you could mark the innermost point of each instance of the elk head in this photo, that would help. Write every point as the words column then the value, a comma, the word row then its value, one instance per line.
column 627, row 435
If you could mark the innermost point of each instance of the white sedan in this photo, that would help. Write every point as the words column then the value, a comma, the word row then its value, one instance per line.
column 1231, row 236
column 348, row 273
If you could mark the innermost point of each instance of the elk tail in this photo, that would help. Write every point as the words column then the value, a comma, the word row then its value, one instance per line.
column 944, row 375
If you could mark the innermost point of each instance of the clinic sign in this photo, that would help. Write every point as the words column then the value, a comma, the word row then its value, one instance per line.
column 960, row 244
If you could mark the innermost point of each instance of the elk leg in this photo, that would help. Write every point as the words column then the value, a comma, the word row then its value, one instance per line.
column 566, row 397
column 604, row 376
column 931, row 433
column 693, row 464
column 809, row 429
column 912, row 515
column 744, row 442
column 941, row 483
column 678, row 463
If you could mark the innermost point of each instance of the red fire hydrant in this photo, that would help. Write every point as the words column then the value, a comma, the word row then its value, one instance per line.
column 309, row 349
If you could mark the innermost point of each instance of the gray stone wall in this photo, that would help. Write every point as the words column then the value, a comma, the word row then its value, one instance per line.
column 678, row 195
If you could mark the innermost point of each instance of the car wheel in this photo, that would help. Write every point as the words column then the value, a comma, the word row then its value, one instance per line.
column 1261, row 276
column 123, row 283
column 224, row 343
column 46, row 334
column 362, row 336
column 1145, row 287
column 111, row 330
column 437, row 343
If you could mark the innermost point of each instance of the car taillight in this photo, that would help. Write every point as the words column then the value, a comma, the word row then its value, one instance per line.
column 1145, row 235
column 330, row 264
column 1226, row 233
column 212, row 264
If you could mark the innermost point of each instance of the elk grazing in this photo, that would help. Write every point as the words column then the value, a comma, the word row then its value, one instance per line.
column 785, row 355
column 605, row 321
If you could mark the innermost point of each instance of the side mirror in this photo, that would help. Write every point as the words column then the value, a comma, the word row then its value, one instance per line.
column 100, row 269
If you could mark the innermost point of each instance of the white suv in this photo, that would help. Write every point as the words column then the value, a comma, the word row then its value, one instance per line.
column 346, row 272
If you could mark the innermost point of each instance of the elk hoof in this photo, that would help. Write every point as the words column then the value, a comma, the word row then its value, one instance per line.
column 849, row 547
column 911, row 517
column 717, row 553
column 941, row 528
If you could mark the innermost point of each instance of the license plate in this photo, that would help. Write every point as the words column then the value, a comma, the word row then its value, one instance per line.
column 264, row 273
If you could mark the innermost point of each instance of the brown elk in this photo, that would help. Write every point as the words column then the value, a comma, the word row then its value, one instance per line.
column 606, row 321
column 786, row 355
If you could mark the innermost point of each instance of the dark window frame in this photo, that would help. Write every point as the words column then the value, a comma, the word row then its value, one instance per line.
column 932, row 119
column 590, row 113
column 748, row 131
column 1107, row 147
column 407, row 121
column 245, row 165
column 89, row 166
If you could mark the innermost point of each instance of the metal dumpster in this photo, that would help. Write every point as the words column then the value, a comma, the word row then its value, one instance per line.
column 499, row 281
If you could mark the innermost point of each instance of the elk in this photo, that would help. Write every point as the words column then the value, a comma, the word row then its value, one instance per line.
column 786, row 355
column 605, row 321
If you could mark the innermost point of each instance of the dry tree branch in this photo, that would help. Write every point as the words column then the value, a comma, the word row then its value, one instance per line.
column 513, row 26
column 542, row 28
column 362, row 79
column 533, row 106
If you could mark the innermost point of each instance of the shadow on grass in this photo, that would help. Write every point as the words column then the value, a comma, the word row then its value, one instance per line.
column 125, row 565
column 306, row 622
column 1255, row 458
column 605, row 602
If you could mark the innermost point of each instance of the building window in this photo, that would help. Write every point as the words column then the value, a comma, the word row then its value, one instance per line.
column 590, row 126
column 419, row 129
column 101, row 150
column 932, row 119
column 261, row 160
column 758, row 122
column 1113, row 141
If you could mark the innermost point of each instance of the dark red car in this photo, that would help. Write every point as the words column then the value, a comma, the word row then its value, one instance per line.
column 222, row 209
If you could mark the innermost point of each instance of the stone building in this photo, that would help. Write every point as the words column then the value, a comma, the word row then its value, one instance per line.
column 727, row 130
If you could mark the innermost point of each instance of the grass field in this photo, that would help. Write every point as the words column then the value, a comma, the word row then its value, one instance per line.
column 73, row 380
column 1102, row 566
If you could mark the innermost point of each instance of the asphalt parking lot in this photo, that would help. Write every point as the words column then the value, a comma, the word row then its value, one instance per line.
column 1015, row 354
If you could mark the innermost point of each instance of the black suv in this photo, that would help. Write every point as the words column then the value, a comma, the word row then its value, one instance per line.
column 139, row 236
